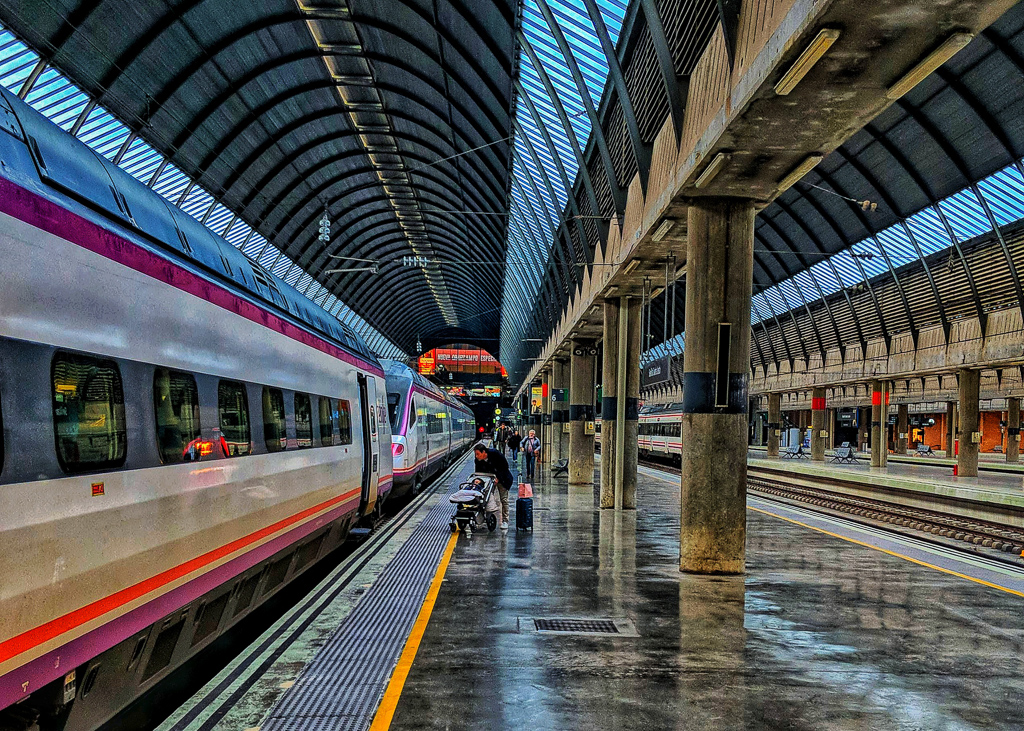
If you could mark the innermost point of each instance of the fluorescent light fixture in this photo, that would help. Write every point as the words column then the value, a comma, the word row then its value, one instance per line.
column 632, row 265
column 713, row 168
column 932, row 61
column 662, row 230
column 799, row 171
column 811, row 55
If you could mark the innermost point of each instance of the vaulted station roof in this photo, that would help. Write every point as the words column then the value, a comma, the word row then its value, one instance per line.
column 476, row 151
column 394, row 116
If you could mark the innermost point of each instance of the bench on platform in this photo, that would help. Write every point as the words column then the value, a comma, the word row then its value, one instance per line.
column 924, row 450
column 561, row 467
column 795, row 451
column 844, row 454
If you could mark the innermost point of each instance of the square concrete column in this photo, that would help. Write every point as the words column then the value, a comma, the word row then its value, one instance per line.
column 818, row 425
column 547, row 421
column 629, row 391
column 620, row 392
column 878, row 399
column 1013, row 430
column 950, row 427
column 902, row 428
column 581, row 413
column 774, row 423
column 716, row 367
column 559, row 412
column 609, row 401
column 970, row 385
column 864, row 427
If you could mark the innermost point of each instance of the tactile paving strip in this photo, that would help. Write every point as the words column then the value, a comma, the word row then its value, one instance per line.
column 343, row 685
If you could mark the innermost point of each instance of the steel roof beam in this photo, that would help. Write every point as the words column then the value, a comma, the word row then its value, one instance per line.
column 596, row 132
column 641, row 151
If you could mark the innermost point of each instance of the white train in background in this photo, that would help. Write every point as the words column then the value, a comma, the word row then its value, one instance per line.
column 429, row 429
column 659, row 431
column 183, row 434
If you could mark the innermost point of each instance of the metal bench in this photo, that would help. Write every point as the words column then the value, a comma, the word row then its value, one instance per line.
column 561, row 467
column 844, row 454
column 795, row 451
column 924, row 450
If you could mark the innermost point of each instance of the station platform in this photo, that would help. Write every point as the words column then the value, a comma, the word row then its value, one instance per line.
column 989, row 491
column 836, row 625
column 988, row 463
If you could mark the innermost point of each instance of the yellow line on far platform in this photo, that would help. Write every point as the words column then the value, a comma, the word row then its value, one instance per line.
column 389, row 703
column 891, row 553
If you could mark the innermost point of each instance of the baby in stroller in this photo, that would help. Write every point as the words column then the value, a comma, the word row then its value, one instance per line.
column 477, row 504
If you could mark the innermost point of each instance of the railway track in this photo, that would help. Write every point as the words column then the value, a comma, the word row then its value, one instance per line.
column 943, row 519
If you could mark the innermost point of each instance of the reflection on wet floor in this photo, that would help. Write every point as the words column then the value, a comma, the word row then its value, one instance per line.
column 820, row 634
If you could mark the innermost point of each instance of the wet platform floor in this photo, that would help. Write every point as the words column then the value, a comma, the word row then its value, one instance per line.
column 821, row 633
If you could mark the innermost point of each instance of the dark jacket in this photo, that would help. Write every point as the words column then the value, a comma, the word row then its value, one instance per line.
column 496, row 465
column 514, row 440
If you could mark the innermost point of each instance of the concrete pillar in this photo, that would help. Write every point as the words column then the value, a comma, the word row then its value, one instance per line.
column 581, row 413
column 967, row 461
column 774, row 423
column 609, row 402
column 864, row 427
column 818, row 425
column 716, row 363
column 559, row 412
column 1013, row 430
column 950, row 427
column 902, row 428
column 546, row 421
column 877, row 424
column 629, row 387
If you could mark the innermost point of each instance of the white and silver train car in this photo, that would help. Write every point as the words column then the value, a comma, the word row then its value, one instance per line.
column 183, row 433
column 659, row 431
column 429, row 429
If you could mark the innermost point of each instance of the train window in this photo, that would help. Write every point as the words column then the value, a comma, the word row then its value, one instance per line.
column 394, row 401
column 303, row 421
column 326, row 422
column 88, row 413
column 273, row 420
column 345, row 421
column 176, row 400
column 233, row 412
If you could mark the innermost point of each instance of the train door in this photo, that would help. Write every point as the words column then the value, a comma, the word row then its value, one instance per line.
column 371, row 437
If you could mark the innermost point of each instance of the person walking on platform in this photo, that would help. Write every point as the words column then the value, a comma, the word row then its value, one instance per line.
column 493, row 462
column 531, row 452
column 513, row 442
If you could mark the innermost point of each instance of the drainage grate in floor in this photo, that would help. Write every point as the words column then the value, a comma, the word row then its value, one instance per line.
column 600, row 626
column 561, row 624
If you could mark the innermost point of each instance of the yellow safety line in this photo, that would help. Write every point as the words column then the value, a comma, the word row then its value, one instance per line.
column 891, row 553
column 389, row 703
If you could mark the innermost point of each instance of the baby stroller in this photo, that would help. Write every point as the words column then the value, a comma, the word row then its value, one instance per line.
column 477, row 504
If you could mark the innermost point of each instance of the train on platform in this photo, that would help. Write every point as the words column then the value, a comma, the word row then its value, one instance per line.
column 429, row 428
column 659, row 432
column 183, row 434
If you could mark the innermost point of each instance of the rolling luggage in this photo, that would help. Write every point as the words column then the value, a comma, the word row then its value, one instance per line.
column 524, row 513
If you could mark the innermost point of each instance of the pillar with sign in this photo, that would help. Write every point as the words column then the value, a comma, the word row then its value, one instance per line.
column 581, row 413
column 818, row 432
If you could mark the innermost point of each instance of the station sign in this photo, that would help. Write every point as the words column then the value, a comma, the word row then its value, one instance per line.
column 657, row 371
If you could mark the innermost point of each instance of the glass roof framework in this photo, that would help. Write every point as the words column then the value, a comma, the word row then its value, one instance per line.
column 937, row 228
column 49, row 92
column 538, row 195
